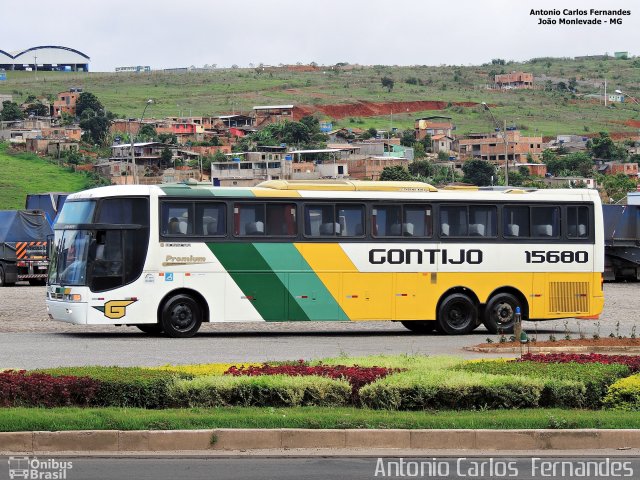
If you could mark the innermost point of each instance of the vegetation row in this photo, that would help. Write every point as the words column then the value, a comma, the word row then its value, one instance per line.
column 385, row 383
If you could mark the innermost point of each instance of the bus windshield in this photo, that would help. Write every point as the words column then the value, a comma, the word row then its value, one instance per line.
column 69, row 262
column 101, row 246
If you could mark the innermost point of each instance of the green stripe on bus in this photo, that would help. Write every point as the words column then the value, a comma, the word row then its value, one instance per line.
column 187, row 191
column 254, row 276
column 302, row 283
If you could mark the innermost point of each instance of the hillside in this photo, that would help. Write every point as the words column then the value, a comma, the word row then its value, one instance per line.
column 27, row 173
column 225, row 91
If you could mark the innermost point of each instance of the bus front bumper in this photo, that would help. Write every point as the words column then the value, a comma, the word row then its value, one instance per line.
column 70, row 312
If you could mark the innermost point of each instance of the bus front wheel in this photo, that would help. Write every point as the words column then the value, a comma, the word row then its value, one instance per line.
column 181, row 316
column 150, row 328
column 500, row 314
column 457, row 314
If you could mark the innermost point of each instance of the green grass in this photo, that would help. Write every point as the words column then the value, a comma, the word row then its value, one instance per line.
column 226, row 90
column 27, row 419
column 25, row 173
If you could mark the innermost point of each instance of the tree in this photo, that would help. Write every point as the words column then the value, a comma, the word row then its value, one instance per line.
column 373, row 132
column 11, row 111
column 95, row 126
column 169, row 138
column 166, row 156
column 38, row 109
column 220, row 157
column 147, row 131
column 579, row 163
column 616, row 186
column 87, row 100
column 478, row 172
column 422, row 168
column 408, row 138
column 387, row 82
column 418, row 150
column 603, row 146
column 395, row 173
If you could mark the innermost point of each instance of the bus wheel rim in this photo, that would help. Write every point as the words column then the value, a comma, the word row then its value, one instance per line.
column 182, row 317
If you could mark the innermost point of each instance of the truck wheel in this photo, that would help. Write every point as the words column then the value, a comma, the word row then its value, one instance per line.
column 3, row 279
column 181, row 316
column 457, row 314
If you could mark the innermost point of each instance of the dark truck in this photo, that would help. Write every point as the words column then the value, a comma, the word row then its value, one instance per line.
column 50, row 202
column 23, row 246
column 621, row 242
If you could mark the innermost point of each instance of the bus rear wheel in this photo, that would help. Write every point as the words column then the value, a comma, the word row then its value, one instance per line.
column 457, row 314
column 420, row 326
column 500, row 313
column 181, row 316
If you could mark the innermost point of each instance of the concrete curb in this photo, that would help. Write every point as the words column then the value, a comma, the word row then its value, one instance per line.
column 559, row 349
column 264, row 439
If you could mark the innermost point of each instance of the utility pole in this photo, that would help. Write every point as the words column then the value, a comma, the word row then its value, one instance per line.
column 506, row 154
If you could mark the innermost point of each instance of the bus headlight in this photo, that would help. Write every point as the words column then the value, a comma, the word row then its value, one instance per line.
column 73, row 297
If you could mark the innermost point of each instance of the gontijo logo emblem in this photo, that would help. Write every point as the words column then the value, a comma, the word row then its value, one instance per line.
column 115, row 309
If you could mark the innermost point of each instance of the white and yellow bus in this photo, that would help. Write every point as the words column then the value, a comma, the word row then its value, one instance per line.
column 167, row 258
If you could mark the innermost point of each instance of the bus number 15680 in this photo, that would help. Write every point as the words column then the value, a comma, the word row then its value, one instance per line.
column 556, row 256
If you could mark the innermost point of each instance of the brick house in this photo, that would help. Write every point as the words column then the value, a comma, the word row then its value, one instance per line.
column 490, row 146
column 511, row 80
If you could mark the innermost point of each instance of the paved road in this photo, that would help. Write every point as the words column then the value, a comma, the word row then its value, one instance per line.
column 29, row 340
column 431, row 466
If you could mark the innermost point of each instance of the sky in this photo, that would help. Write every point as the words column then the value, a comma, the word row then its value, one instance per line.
column 170, row 33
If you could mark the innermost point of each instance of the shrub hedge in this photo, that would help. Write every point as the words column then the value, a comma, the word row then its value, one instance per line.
column 125, row 386
column 624, row 394
column 451, row 390
column 569, row 385
column 19, row 389
column 356, row 375
column 260, row 391
column 631, row 361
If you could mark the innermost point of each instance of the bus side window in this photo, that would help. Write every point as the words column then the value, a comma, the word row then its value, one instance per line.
column 281, row 219
column 417, row 221
column 577, row 222
column 386, row 221
column 210, row 219
column 248, row 219
column 177, row 219
column 515, row 221
column 483, row 221
column 545, row 222
column 453, row 221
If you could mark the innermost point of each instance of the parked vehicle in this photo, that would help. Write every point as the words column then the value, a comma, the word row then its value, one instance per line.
column 23, row 246
column 621, row 242
column 50, row 203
